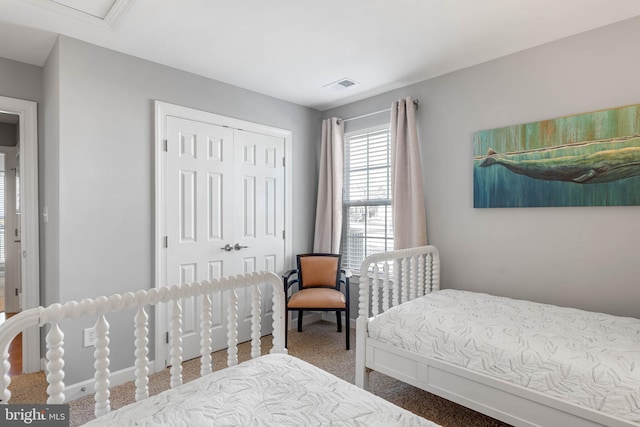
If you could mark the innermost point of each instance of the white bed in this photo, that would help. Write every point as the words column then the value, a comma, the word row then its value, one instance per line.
column 272, row 390
column 275, row 389
column 524, row 363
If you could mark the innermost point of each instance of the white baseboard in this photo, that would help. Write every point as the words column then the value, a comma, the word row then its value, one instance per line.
column 307, row 319
column 313, row 317
column 330, row 316
column 88, row 387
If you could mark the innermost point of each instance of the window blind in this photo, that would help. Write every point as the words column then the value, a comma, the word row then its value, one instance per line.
column 367, row 227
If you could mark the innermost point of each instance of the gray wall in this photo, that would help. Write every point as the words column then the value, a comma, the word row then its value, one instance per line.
column 583, row 257
column 8, row 134
column 105, row 168
column 20, row 80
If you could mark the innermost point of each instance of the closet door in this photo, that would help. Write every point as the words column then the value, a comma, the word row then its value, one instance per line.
column 224, row 204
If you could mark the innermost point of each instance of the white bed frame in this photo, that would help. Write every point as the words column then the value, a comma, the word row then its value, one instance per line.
column 417, row 271
column 99, row 307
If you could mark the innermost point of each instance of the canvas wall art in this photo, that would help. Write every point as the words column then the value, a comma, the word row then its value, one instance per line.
column 590, row 159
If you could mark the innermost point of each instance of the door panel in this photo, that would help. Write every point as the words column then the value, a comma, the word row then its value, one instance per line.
column 197, row 209
column 260, row 180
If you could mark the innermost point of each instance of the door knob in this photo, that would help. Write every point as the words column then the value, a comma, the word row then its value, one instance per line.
column 238, row 246
column 227, row 248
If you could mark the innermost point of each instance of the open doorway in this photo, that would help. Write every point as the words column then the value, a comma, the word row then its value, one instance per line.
column 10, row 245
column 19, row 221
column 10, row 248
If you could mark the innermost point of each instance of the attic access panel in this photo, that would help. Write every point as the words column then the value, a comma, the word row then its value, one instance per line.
column 100, row 12
column 98, row 8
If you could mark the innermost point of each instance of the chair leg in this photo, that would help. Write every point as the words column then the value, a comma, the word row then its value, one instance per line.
column 286, row 328
column 346, row 330
column 339, row 320
column 347, row 320
column 300, row 314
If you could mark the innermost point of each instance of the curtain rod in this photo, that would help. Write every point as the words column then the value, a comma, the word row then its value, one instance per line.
column 386, row 110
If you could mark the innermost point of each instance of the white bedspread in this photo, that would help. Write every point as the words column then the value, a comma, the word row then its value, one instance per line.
column 273, row 390
column 590, row 359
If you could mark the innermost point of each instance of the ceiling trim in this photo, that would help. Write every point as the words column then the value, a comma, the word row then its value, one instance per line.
column 118, row 11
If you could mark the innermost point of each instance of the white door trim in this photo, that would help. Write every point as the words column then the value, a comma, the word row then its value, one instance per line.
column 162, row 111
column 28, row 140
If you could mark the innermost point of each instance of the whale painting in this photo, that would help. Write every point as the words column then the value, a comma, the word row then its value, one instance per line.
column 590, row 159
column 589, row 168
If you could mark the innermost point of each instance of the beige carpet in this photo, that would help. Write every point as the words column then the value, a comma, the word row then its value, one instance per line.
column 319, row 344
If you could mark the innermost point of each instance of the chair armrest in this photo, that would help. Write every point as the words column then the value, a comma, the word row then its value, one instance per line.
column 347, row 274
column 345, row 279
column 289, row 273
column 286, row 279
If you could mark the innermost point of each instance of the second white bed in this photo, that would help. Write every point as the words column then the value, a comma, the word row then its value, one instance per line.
column 590, row 359
column 521, row 362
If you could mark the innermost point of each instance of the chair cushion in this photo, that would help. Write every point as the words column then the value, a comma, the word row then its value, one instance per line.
column 317, row 298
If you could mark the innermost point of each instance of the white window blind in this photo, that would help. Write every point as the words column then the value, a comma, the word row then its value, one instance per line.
column 367, row 227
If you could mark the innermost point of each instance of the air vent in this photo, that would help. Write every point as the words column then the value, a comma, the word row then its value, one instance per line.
column 342, row 84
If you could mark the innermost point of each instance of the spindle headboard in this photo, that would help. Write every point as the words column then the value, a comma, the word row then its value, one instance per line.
column 391, row 278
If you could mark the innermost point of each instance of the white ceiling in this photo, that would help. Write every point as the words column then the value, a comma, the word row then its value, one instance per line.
column 291, row 49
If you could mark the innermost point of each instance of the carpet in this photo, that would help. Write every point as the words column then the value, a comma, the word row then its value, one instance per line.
column 318, row 344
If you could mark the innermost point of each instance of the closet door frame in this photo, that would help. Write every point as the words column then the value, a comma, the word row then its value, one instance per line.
column 162, row 111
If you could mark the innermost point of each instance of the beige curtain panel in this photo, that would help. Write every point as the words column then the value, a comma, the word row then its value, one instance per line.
column 407, row 189
column 328, row 229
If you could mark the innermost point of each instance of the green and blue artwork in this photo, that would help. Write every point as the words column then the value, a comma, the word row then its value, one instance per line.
column 590, row 159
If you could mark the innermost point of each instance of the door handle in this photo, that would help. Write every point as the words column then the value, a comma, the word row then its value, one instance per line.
column 238, row 246
column 227, row 248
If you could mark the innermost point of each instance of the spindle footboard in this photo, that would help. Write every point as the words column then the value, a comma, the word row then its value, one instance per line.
column 141, row 301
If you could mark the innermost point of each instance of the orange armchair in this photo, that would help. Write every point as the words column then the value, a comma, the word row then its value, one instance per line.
column 319, row 277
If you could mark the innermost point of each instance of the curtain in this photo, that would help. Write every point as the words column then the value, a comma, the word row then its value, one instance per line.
column 407, row 192
column 328, row 230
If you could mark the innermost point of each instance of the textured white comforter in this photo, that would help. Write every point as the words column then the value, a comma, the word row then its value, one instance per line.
column 590, row 359
column 273, row 390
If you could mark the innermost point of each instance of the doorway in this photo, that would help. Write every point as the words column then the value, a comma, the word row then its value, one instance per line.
column 21, row 224
column 10, row 268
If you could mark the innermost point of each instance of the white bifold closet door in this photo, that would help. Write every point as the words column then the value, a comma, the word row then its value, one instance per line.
column 224, row 204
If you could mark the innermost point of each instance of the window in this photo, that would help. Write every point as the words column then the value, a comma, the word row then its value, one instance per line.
column 367, row 227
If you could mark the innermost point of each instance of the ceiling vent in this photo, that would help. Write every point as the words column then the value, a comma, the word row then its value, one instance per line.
column 342, row 84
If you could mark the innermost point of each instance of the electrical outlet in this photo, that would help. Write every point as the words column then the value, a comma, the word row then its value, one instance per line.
column 89, row 337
